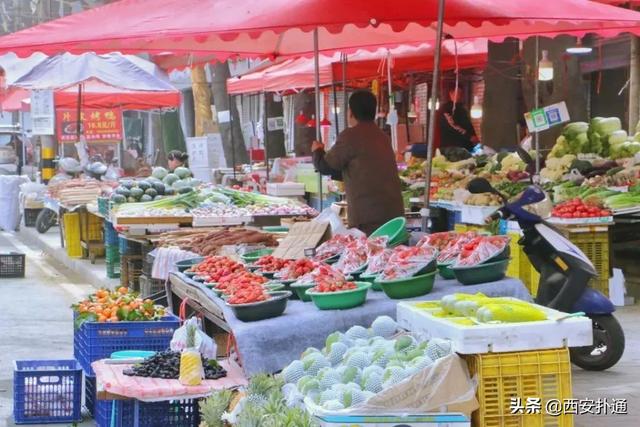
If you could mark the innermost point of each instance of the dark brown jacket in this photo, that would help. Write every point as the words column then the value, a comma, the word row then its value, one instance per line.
column 365, row 158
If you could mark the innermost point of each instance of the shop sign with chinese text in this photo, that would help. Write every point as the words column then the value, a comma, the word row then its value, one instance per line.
column 96, row 125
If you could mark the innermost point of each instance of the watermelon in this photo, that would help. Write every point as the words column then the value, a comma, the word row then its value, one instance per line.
column 146, row 198
column 184, row 190
column 118, row 198
column 151, row 192
column 182, row 172
column 127, row 183
column 144, row 185
column 131, row 199
column 123, row 191
column 137, row 192
column 170, row 179
column 159, row 172
column 159, row 187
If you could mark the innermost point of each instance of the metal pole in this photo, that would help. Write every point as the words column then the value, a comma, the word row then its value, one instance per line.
column 345, row 100
column 316, row 67
column 432, row 112
column 233, row 141
column 265, row 133
column 536, row 95
column 335, row 107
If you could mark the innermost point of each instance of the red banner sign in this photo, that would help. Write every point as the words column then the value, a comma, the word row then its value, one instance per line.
column 96, row 125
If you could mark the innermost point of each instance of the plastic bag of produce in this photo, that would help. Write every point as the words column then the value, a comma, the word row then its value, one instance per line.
column 323, row 274
column 332, row 247
column 438, row 240
column 353, row 257
column 481, row 249
column 296, row 269
column 203, row 343
column 408, row 261
column 450, row 253
column 378, row 262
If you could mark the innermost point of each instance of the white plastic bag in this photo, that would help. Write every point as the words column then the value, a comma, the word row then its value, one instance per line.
column 205, row 344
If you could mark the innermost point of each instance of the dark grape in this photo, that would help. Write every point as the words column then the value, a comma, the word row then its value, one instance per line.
column 166, row 365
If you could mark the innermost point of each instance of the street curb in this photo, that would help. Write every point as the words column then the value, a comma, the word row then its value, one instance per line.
column 82, row 267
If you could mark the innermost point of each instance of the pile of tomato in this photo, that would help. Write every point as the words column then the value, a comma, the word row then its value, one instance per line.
column 240, row 280
column 576, row 208
column 297, row 269
column 333, row 286
column 214, row 268
column 247, row 295
column 271, row 264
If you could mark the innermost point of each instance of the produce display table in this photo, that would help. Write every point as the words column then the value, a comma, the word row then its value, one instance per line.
column 269, row 345
column 112, row 384
column 111, row 381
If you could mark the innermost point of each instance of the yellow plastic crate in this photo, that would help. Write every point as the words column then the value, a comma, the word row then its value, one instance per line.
column 72, row 233
column 595, row 245
column 91, row 227
column 544, row 374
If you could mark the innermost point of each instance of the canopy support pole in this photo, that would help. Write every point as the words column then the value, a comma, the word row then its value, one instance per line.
column 316, row 67
column 536, row 101
column 335, row 107
column 265, row 132
column 233, row 141
column 345, row 101
column 432, row 114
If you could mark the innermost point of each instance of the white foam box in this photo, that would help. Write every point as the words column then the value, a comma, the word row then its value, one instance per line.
column 556, row 332
column 285, row 189
column 421, row 420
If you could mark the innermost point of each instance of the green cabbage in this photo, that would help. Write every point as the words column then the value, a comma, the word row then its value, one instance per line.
column 624, row 150
column 572, row 130
column 605, row 126
column 618, row 137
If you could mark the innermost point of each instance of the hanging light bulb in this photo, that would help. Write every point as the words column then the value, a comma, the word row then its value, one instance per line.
column 476, row 108
column 301, row 119
column 325, row 123
column 579, row 49
column 412, row 111
column 437, row 105
column 545, row 67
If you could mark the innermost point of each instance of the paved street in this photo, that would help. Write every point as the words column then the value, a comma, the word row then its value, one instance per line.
column 35, row 323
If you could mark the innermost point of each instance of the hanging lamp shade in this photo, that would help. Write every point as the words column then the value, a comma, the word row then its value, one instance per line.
column 301, row 119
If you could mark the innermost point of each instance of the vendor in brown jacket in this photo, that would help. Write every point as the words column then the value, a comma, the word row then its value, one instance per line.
column 364, row 157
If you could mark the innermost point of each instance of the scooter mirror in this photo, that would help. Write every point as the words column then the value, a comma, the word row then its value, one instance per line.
column 480, row 185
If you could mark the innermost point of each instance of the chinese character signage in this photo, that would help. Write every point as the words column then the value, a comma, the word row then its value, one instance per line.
column 97, row 125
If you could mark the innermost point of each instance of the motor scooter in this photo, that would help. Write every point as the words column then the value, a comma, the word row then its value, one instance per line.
column 565, row 273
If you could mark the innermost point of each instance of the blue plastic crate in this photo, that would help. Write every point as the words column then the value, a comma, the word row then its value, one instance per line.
column 453, row 218
column 110, row 234
column 175, row 413
column 129, row 247
column 47, row 391
column 94, row 341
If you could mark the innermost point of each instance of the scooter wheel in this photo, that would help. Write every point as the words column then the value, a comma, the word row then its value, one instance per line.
column 45, row 220
column 607, row 348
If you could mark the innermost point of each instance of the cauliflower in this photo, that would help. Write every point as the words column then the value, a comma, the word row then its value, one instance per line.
column 512, row 162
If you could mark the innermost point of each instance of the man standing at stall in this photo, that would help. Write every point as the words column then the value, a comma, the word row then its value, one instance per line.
column 363, row 155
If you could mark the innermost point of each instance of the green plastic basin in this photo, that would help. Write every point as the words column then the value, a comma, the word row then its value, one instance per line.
column 483, row 273
column 253, row 256
column 395, row 229
column 340, row 300
column 188, row 263
column 445, row 271
column 255, row 311
column 301, row 290
column 410, row 287
column 267, row 274
column 371, row 278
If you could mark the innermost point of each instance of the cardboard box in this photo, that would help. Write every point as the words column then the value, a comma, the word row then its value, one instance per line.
column 421, row 420
column 301, row 236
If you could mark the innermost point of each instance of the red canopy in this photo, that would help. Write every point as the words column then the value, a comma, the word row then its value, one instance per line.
column 259, row 28
column 294, row 74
